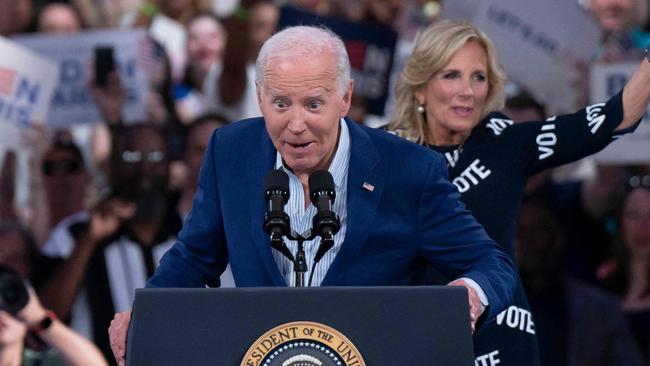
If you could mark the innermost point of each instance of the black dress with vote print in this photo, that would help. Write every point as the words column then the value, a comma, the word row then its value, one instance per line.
column 490, row 170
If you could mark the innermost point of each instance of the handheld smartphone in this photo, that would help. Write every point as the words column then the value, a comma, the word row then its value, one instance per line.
column 104, row 64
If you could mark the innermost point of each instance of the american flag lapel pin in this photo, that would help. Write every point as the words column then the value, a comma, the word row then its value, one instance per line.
column 368, row 187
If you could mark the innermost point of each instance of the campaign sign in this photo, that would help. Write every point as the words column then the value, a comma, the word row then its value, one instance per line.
column 370, row 48
column 537, row 42
column 27, row 82
column 72, row 102
column 634, row 148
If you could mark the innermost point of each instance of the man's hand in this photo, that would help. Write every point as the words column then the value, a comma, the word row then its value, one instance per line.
column 475, row 307
column 117, row 335
column 107, row 217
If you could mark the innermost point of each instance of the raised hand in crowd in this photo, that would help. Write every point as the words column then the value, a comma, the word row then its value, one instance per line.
column 39, row 221
column 110, row 98
column 106, row 218
column 156, row 110
column 8, row 187
column 36, row 215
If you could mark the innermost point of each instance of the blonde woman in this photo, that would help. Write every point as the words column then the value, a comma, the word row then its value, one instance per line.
column 447, row 96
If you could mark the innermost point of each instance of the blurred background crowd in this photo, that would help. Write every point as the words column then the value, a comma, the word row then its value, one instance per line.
column 103, row 200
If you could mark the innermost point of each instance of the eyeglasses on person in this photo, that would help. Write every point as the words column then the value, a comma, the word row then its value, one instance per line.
column 137, row 156
column 67, row 166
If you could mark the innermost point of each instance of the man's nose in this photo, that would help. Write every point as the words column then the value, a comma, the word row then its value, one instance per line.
column 296, row 123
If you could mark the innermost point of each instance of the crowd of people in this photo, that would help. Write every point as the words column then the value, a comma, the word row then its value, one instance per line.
column 105, row 208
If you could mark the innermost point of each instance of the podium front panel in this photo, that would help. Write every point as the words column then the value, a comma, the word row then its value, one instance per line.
column 390, row 326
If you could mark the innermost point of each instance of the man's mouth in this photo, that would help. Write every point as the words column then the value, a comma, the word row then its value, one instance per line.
column 299, row 146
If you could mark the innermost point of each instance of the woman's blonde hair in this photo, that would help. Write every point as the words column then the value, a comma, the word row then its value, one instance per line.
column 434, row 48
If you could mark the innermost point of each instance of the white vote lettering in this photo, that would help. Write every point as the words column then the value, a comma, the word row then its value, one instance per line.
column 471, row 175
column 452, row 157
column 498, row 125
column 595, row 116
column 488, row 359
column 517, row 318
column 545, row 141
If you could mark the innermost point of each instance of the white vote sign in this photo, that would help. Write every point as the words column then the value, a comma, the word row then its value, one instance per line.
column 537, row 42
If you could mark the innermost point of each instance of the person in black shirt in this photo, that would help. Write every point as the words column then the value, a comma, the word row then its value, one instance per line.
column 446, row 97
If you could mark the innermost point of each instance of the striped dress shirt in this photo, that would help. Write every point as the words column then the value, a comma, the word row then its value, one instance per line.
column 301, row 218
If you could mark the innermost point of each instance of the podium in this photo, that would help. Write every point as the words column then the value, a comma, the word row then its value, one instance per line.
column 342, row 326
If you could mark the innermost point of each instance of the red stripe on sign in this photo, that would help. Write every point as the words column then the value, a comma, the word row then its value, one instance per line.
column 7, row 79
column 357, row 53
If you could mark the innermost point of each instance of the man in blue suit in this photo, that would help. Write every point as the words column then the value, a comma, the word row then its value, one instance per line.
column 395, row 203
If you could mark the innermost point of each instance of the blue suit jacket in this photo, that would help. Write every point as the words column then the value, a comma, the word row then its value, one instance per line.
column 412, row 215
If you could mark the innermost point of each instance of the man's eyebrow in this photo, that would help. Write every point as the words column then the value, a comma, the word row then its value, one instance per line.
column 319, row 92
column 278, row 95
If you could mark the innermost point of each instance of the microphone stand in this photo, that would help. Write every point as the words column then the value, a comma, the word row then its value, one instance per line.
column 326, row 243
column 300, row 261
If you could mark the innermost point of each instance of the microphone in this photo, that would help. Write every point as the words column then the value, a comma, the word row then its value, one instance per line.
column 325, row 223
column 276, row 221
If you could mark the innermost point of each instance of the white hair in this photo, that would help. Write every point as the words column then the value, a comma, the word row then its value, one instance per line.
column 301, row 42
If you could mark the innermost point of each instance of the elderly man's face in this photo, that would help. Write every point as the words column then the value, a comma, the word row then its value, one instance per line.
column 302, row 105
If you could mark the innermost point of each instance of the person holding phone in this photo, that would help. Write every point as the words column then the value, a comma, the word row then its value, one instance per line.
column 120, row 242
column 23, row 318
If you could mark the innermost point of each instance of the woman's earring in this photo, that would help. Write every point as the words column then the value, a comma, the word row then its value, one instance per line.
column 420, row 108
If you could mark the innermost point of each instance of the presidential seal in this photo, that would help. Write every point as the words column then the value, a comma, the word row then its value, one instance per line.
column 302, row 344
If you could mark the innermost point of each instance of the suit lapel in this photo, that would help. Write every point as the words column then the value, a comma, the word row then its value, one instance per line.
column 361, row 203
column 257, row 167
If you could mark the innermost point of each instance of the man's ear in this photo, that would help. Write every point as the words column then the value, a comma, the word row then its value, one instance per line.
column 347, row 99
column 258, row 92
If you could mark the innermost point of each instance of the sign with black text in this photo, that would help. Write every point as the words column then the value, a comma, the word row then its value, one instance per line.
column 72, row 101
column 537, row 42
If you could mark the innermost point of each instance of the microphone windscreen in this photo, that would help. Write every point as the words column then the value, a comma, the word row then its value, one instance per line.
column 320, row 182
column 276, row 179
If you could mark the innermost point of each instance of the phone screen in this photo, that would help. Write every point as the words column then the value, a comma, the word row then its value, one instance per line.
column 104, row 64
